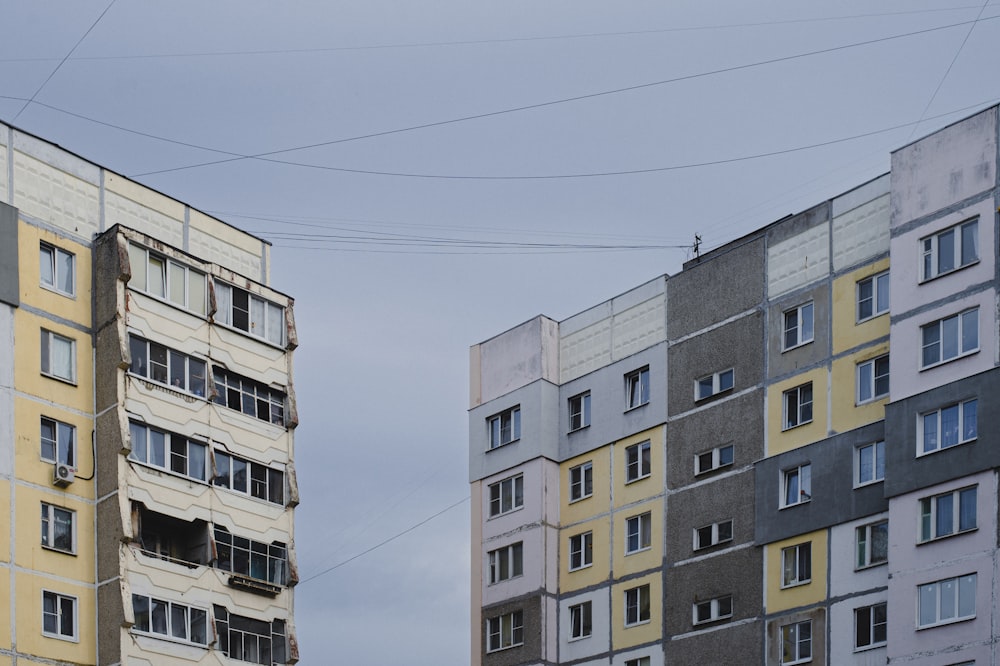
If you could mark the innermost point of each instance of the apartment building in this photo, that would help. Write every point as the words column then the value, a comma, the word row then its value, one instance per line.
column 728, row 465
column 147, row 418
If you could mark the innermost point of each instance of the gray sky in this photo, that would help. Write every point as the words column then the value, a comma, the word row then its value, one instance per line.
column 396, row 275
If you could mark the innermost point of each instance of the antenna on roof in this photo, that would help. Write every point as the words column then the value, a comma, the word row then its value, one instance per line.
column 697, row 246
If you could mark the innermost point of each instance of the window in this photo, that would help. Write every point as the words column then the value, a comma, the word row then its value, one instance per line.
column 636, row 605
column 798, row 406
column 240, row 309
column 870, row 463
column 949, row 338
column 58, row 616
column 58, row 356
column 581, row 551
column 796, row 564
column 713, row 609
column 947, row 427
column 579, row 411
column 250, row 397
column 57, row 269
column 58, row 442
column 637, row 533
column 945, row 601
column 796, row 643
column 708, row 461
column 505, row 427
column 58, row 530
column 796, row 485
column 873, row 544
column 506, row 495
column 641, row 661
column 873, row 379
column 505, row 631
column 253, row 559
column 580, row 620
column 873, row 296
column 948, row 513
column 251, row 478
column 950, row 249
column 712, row 535
column 164, row 278
column 247, row 639
column 869, row 626
column 706, row 387
column 637, row 388
column 169, row 451
column 797, row 325
column 166, row 366
column 170, row 619
column 637, row 464
column 581, row 481
column 506, row 562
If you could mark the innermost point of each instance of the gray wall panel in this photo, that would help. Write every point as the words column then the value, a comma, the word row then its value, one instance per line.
column 9, row 285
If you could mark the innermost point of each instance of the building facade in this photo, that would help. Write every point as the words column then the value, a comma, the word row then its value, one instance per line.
column 728, row 465
column 147, row 418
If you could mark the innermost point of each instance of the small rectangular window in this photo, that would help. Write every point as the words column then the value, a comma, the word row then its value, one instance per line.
column 950, row 250
column 637, row 462
column 638, row 533
column 949, row 338
column 869, row 463
column 721, row 456
column 248, row 396
column 796, row 643
column 797, row 326
column 506, row 563
column 59, row 618
column 581, row 551
column 870, row 626
column 714, row 384
column 873, row 379
column 946, row 601
column 796, row 485
column 581, row 481
column 947, row 514
column 58, row 442
column 58, row 528
column 798, row 406
column 637, row 388
column 506, row 495
column 712, row 610
column 641, row 661
column 713, row 535
column 873, row 296
column 579, row 411
column 504, row 427
column 250, row 313
column 164, row 278
column 947, row 427
column 58, row 269
column 872, row 544
column 505, row 631
column 58, row 356
column 168, row 619
column 580, row 620
column 248, row 477
column 796, row 565
column 637, row 605
column 168, row 451
column 163, row 365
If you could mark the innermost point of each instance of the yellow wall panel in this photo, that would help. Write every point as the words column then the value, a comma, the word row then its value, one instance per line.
column 28, row 376
column 644, row 488
column 847, row 333
column 781, row 599
column 597, row 504
column 640, row 560
column 780, row 440
column 28, row 462
column 5, row 639
column 74, row 308
column 600, row 570
column 30, row 554
column 30, row 640
column 847, row 414
column 623, row 637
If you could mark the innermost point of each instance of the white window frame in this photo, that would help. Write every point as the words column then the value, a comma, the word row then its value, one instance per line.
column 716, row 533
column 637, row 606
column 637, row 388
column 714, row 384
column 48, row 340
column 581, row 547
column 508, row 630
column 50, row 512
column 505, row 563
column 504, row 428
column 796, row 410
column 638, row 528
column 868, row 377
column 230, row 388
column 932, row 354
column 149, row 433
column 259, row 481
column 55, row 257
column 931, row 254
column 639, row 661
column 963, row 433
column 720, row 608
column 794, row 335
column 271, row 316
column 877, row 453
column 579, row 411
column 638, row 461
column 170, row 632
column 803, row 485
column 873, row 626
column 65, row 451
column 864, row 540
column 581, row 481
column 930, row 511
column 507, row 488
column 581, row 621
column 185, row 379
column 878, row 307
column 794, row 560
column 58, row 599
column 194, row 283
column 950, row 587
column 716, row 459
column 791, row 634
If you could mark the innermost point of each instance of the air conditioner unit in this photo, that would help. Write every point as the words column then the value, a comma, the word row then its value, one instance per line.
column 64, row 474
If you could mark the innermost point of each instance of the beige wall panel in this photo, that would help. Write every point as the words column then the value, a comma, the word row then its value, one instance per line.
column 142, row 195
column 249, row 356
column 225, row 245
column 122, row 210
column 55, row 196
column 638, row 328
column 798, row 261
column 3, row 166
column 861, row 233
column 585, row 351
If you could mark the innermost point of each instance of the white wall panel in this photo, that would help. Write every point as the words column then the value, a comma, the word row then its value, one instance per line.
column 124, row 211
column 55, row 196
column 796, row 262
column 638, row 328
column 585, row 351
column 861, row 234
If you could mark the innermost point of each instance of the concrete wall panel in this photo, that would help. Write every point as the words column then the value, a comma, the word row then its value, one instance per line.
column 56, row 197
column 794, row 261
column 861, row 234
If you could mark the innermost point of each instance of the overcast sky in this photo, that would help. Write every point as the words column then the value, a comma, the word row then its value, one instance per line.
column 483, row 162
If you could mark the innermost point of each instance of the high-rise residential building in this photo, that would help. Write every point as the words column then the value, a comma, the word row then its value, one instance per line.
column 147, row 415
column 728, row 466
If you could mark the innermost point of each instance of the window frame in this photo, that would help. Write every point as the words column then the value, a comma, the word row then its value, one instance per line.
column 516, row 482
column 638, row 461
column 514, row 631
column 637, row 606
column 512, row 418
column 640, row 529
column 870, row 384
column 270, row 477
column 957, row 602
column 930, row 250
column 796, row 565
column 56, row 269
column 800, row 408
column 579, row 411
column 48, row 349
column 799, row 473
column 581, row 620
column 716, row 610
column 140, row 254
column 227, row 624
column 714, row 534
column 638, row 661
column 793, row 631
column 583, row 487
column 872, row 625
column 59, row 428
column 58, row 599
column 962, row 427
column 714, row 384
column 637, row 388
column 507, row 559
column 864, row 540
column 716, row 459
column 799, row 327
column 942, row 327
column 581, row 546
column 49, row 530
column 877, row 307
column 141, row 351
column 929, row 515
column 171, row 442
column 272, row 556
column 227, row 385
column 877, row 466
column 228, row 312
